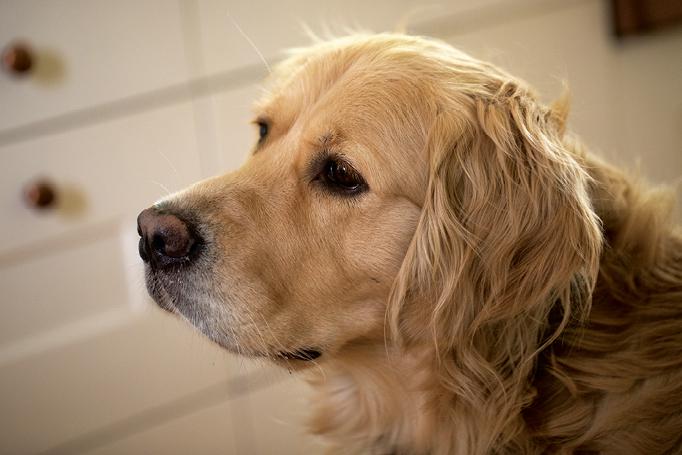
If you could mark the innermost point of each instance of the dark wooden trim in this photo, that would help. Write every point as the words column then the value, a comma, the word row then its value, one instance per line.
column 632, row 17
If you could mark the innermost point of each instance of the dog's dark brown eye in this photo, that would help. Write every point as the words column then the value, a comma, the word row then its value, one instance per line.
column 263, row 129
column 340, row 176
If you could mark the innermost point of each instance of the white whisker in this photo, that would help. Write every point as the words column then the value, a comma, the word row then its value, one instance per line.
column 162, row 186
column 170, row 163
column 251, row 43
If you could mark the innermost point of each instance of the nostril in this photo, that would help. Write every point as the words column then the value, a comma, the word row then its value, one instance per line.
column 142, row 249
column 173, row 238
column 158, row 244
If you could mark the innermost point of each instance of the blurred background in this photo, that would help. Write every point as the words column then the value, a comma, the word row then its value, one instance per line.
column 106, row 106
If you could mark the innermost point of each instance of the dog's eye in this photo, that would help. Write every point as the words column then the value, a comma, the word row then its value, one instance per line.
column 340, row 176
column 263, row 129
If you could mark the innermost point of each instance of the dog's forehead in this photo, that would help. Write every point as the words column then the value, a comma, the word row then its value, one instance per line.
column 368, row 104
column 349, row 89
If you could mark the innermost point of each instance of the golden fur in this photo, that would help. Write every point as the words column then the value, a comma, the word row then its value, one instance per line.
column 497, row 290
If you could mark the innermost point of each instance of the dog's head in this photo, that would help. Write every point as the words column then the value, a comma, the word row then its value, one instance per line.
column 388, row 170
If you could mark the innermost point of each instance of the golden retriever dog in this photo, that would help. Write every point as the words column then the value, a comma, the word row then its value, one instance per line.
column 463, row 275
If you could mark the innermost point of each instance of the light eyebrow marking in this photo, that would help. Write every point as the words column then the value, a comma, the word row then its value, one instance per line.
column 329, row 139
column 325, row 139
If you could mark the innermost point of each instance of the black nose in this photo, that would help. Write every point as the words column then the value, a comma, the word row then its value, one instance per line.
column 165, row 239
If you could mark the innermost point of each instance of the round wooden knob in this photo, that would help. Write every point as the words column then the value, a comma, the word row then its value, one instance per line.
column 17, row 59
column 40, row 195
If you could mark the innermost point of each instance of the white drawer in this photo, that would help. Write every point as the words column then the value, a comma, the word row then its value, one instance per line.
column 60, row 288
column 207, row 432
column 88, row 52
column 269, row 421
column 58, row 398
column 100, row 172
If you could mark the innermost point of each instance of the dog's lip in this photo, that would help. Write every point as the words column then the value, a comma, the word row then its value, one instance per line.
column 164, row 293
column 304, row 354
column 158, row 292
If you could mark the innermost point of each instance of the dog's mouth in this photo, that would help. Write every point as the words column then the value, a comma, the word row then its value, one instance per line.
column 300, row 354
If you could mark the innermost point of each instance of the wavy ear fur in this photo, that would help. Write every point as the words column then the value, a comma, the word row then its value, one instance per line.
column 507, row 241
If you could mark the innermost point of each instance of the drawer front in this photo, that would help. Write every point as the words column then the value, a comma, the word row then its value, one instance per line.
column 270, row 420
column 207, row 432
column 87, row 52
column 57, row 289
column 99, row 173
column 64, row 398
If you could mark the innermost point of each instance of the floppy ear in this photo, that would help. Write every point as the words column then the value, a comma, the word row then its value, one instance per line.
column 507, row 234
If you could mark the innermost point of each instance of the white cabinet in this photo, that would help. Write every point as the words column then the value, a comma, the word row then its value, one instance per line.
column 82, row 349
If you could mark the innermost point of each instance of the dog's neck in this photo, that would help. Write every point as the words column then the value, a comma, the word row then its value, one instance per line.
column 376, row 400
column 372, row 396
